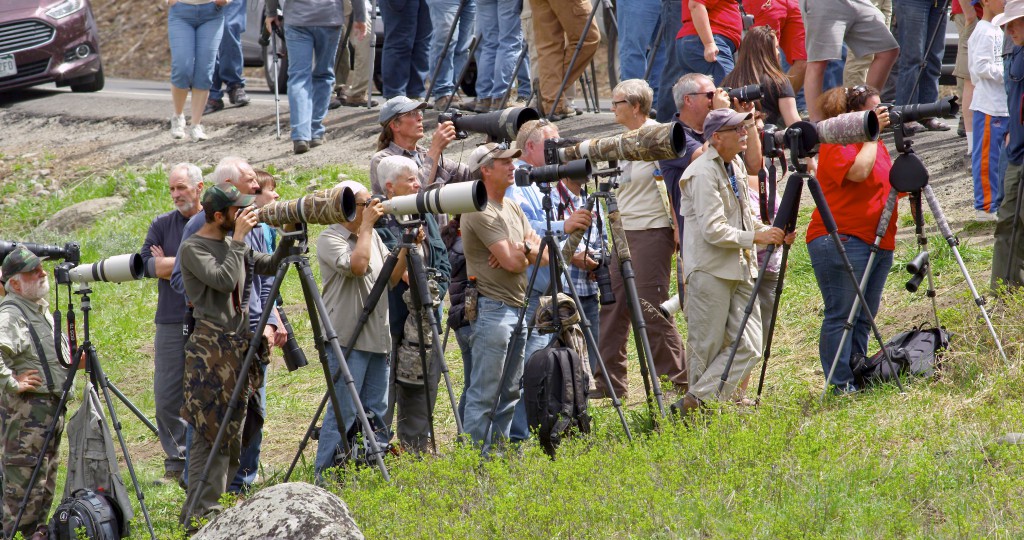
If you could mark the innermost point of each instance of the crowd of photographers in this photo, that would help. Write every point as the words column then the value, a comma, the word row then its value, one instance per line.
column 214, row 259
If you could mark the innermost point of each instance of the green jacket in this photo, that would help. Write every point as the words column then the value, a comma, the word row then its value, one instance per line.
column 18, row 353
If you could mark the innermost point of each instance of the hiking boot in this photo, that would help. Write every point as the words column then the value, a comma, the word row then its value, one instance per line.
column 442, row 103
column 518, row 101
column 169, row 477
column 213, row 105
column 318, row 142
column 236, row 95
column 335, row 103
column 197, row 133
column 300, row 147
column 686, row 406
column 477, row 105
column 178, row 126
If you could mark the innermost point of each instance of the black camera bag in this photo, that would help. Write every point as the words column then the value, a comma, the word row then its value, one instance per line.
column 93, row 512
column 555, row 389
column 917, row 351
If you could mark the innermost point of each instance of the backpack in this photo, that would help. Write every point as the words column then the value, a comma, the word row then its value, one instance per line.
column 917, row 351
column 87, row 510
column 555, row 389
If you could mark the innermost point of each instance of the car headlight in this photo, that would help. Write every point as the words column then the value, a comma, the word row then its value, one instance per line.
column 65, row 8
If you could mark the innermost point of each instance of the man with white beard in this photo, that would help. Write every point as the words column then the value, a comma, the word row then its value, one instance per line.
column 185, row 185
column 31, row 379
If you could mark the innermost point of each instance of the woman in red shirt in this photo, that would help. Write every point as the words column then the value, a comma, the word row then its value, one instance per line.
column 855, row 181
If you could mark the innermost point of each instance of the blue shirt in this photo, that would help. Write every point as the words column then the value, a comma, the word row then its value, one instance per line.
column 530, row 199
column 580, row 277
column 259, row 292
column 1015, row 81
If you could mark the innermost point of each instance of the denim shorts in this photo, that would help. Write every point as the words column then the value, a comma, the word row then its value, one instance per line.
column 194, row 32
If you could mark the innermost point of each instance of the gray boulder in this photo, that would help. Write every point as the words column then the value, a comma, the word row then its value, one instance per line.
column 284, row 511
column 81, row 215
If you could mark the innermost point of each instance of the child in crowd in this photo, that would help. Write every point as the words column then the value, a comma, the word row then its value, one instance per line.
column 991, row 118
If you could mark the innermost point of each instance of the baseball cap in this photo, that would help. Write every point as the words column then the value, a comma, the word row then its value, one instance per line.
column 224, row 195
column 396, row 106
column 1014, row 9
column 20, row 259
column 724, row 118
column 486, row 153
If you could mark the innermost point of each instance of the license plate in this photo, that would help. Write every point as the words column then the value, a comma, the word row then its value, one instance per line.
column 7, row 66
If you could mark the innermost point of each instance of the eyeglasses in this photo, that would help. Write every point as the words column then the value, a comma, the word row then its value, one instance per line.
column 492, row 154
column 856, row 91
column 614, row 103
column 415, row 113
column 745, row 126
column 710, row 94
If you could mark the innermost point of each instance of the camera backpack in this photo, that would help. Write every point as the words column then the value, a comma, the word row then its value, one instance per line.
column 917, row 351
column 87, row 511
column 555, row 389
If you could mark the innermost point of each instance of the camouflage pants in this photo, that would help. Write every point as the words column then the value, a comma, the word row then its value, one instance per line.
column 25, row 418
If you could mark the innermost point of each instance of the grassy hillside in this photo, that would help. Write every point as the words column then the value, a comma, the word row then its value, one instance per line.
column 879, row 464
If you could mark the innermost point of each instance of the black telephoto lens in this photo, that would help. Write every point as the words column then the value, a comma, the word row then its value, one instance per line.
column 604, row 282
column 748, row 93
column 915, row 282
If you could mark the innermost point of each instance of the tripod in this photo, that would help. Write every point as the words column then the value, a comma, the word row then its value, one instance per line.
column 576, row 53
column 444, row 53
column 294, row 244
column 92, row 367
column 422, row 299
column 785, row 219
column 556, row 267
column 909, row 175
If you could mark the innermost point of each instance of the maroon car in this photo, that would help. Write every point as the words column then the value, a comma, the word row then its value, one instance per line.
column 45, row 41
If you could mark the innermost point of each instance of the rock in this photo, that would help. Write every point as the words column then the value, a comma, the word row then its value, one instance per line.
column 284, row 511
column 81, row 215
column 43, row 172
column 42, row 193
column 1012, row 439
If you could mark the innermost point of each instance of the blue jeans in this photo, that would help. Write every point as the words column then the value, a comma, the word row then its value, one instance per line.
column 405, row 59
column 311, row 51
column 691, row 54
column 839, row 293
column 442, row 17
column 249, row 461
column 916, row 21
column 492, row 335
column 194, row 33
column 501, row 40
column 370, row 373
column 801, row 103
column 638, row 21
column 520, row 430
column 464, row 337
column 592, row 311
column 673, row 67
column 228, row 72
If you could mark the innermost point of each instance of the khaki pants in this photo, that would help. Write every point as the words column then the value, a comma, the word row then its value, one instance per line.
column 856, row 70
column 714, row 310
column 353, row 82
column 557, row 27
column 651, row 252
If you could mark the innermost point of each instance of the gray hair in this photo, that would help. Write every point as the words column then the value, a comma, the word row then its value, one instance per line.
column 228, row 170
column 687, row 85
column 390, row 167
column 636, row 92
column 194, row 173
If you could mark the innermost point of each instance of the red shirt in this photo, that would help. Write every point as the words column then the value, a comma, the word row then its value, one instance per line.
column 856, row 206
column 959, row 10
column 724, row 16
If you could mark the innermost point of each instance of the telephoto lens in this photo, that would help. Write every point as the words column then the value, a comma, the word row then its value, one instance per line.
column 604, row 282
column 746, row 94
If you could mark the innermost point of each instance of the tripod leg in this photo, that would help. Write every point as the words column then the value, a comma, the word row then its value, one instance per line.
column 131, row 406
column 647, row 368
column 423, row 302
column 833, row 231
column 947, row 233
column 459, row 430
column 572, row 61
column 105, row 387
column 771, row 323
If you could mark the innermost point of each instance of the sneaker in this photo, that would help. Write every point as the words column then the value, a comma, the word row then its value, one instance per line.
column 983, row 216
column 335, row 103
column 197, row 133
column 354, row 102
column 178, row 126
column 236, row 95
column 213, row 105
column 300, row 147
column 318, row 142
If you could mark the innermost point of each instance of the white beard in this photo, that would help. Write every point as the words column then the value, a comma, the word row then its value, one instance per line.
column 36, row 291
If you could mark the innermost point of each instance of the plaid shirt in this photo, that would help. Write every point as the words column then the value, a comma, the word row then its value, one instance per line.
column 565, row 207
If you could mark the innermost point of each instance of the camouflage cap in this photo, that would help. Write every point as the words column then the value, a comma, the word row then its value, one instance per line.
column 224, row 195
column 20, row 259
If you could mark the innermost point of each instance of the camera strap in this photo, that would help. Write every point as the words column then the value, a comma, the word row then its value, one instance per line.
column 39, row 348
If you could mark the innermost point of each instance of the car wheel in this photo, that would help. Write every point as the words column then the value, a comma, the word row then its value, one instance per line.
column 91, row 83
column 281, row 76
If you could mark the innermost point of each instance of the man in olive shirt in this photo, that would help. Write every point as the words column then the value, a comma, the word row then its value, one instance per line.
column 213, row 271
column 499, row 245
column 351, row 257
column 31, row 391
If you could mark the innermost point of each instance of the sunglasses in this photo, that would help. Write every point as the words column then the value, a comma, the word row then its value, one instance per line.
column 710, row 94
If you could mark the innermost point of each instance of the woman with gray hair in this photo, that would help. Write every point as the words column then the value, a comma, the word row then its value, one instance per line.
column 646, row 218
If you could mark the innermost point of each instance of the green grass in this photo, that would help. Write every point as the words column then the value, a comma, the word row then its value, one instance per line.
column 878, row 465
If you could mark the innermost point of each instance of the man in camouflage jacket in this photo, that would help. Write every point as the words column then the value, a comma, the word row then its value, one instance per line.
column 32, row 378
